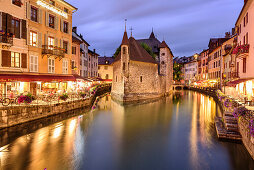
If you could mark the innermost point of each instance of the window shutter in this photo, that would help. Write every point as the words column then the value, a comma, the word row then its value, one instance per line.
column 56, row 23
column 69, row 47
column 4, row 21
column 24, row 30
column 23, row 60
column 39, row 40
column 56, row 42
column 45, row 39
column 40, row 13
column 61, row 43
column 70, row 28
column 61, row 25
column 6, row 58
column 47, row 19
column 1, row 21
column 28, row 11
column 10, row 29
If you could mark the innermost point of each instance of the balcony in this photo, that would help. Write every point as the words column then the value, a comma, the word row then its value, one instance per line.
column 241, row 50
column 49, row 51
column 6, row 39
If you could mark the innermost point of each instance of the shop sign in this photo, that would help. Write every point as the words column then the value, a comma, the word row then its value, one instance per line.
column 52, row 8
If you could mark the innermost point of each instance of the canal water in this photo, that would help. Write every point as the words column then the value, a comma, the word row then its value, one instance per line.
column 176, row 133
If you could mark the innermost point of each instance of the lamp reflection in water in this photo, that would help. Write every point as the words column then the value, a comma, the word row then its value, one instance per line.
column 57, row 131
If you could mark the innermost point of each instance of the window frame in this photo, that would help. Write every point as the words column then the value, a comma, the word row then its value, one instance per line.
column 51, row 65
column 16, row 28
column 51, row 20
column 65, row 67
column 34, row 67
column 34, row 14
column 32, row 35
column 14, row 63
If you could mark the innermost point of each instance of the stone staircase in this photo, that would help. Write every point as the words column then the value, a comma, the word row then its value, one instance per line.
column 227, row 127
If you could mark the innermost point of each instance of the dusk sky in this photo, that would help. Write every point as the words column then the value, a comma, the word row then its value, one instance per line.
column 186, row 25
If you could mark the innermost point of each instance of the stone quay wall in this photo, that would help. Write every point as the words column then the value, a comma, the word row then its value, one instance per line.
column 243, row 123
column 14, row 115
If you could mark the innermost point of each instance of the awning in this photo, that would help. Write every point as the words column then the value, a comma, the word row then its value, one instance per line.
column 36, row 77
column 238, row 81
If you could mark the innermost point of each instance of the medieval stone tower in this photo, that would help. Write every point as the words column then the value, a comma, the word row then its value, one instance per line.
column 137, row 75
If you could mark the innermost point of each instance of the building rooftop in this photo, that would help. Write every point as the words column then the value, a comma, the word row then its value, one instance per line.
column 137, row 52
column 105, row 60
column 152, row 42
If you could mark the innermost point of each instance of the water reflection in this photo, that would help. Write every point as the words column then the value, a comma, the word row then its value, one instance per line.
column 176, row 132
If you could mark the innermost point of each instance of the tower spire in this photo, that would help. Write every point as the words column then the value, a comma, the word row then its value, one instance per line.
column 131, row 30
column 125, row 24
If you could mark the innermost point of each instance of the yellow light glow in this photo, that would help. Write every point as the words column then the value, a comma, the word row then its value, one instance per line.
column 57, row 131
column 241, row 87
column 249, row 87
column 52, row 8
column 72, row 125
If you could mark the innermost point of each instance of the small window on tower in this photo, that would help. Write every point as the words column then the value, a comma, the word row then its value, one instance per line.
column 116, row 78
column 124, row 50
column 162, row 62
column 163, row 54
column 141, row 79
column 123, row 66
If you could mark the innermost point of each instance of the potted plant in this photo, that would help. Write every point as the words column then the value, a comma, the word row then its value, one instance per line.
column 64, row 97
column 27, row 99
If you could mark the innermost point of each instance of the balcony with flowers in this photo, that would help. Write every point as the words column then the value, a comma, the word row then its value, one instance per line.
column 50, row 50
column 241, row 50
column 6, row 38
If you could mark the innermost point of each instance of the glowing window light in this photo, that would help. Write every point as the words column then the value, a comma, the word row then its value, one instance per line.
column 249, row 87
column 241, row 87
column 52, row 8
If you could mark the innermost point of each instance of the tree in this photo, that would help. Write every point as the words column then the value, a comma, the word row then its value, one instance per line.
column 118, row 50
column 177, row 71
column 148, row 49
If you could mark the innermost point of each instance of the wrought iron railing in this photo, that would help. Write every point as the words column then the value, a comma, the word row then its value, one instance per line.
column 7, row 39
column 53, row 50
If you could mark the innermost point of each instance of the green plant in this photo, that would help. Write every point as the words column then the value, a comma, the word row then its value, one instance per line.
column 64, row 97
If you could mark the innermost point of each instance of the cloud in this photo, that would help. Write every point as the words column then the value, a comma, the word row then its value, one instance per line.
column 186, row 25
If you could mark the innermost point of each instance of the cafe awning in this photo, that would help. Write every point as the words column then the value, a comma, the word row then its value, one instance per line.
column 238, row 81
column 22, row 77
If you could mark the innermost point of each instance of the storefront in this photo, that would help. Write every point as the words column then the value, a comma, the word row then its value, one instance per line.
column 40, row 84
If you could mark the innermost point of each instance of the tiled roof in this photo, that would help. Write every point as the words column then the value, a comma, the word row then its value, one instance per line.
column 105, row 60
column 152, row 42
column 137, row 52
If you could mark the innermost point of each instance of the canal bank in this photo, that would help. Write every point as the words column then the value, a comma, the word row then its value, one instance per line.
column 20, row 114
column 175, row 132
column 235, row 118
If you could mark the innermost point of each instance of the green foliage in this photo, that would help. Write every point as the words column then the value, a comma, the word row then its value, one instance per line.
column 148, row 49
column 177, row 71
column 118, row 50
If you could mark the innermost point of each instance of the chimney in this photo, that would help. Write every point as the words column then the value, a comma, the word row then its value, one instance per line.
column 74, row 29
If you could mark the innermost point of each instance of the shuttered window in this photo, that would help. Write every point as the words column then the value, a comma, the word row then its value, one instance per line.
column 33, row 63
column 34, row 14
column 51, row 21
column 15, row 59
column 51, row 42
column 65, row 67
column 65, row 26
column 16, row 27
column 51, row 65
column 24, row 60
column 6, row 58
column 65, row 46
column 244, row 65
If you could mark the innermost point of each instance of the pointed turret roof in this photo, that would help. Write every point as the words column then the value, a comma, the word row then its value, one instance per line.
column 164, row 45
column 152, row 36
column 125, row 40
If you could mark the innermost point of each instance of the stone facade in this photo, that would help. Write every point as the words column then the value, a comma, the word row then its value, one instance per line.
column 137, row 76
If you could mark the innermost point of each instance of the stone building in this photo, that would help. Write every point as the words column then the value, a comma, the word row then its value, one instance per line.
column 137, row 76
column 105, row 68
